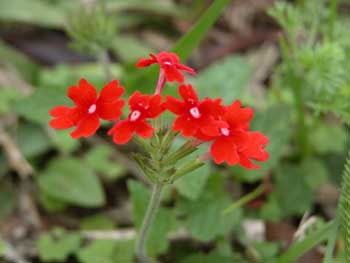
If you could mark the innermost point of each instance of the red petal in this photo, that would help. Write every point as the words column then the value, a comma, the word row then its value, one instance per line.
column 111, row 92
column 143, row 129
column 246, row 163
column 65, row 117
column 211, row 107
column 155, row 106
column 224, row 150
column 188, row 93
column 174, row 105
column 84, row 95
column 172, row 74
column 213, row 128
column 145, row 62
column 237, row 116
column 111, row 111
column 186, row 125
column 59, row 111
column 185, row 68
column 135, row 99
column 122, row 132
column 87, row 126
column 109, row 106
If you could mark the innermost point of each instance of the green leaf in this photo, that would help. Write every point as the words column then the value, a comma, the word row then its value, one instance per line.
column 63, row 141
column 299, row 248
column 300, row 199
column 204, row 218
column 267, row 250
column 124, row 251
column 185, row 46
column 7, row 199
column 97, row 222
column 70, row 181
column 276, row 125
column 99, row 160
column 328, row 139
column 163, row 223
column 135, row 48
column 32, row 140
column 98, row 251
column 225, row 79
column 214, row 256
column 51, row 204
column 315, row 172
column 57, row 245
column 192, row 184
column 8, row 96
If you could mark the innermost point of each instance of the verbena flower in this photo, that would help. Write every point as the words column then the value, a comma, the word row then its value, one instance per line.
column 232, row 140
column 142, row 107
column 192, row 113
column 169, row 65
column 89, row 108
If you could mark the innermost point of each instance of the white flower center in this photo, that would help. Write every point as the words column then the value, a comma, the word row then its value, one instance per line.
column 92, row 108
column 135, row 115
column 225, row 131
column 195, row 112
column 167, row 63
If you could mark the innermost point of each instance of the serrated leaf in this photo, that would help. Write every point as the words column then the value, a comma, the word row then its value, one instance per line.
column 275, row 124
column 67, row 180
column 58, row 245
column 225, row 79
column 163, row 223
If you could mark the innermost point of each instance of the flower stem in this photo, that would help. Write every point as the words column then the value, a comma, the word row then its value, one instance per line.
column 106, row 64
column 161, row 82
column 152, row 208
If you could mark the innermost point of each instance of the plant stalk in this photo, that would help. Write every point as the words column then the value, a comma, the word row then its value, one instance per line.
column 152, row 208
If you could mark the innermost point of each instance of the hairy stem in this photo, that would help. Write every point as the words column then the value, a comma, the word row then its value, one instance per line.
column 152, row 208
column 332, row 16
column 161, row 82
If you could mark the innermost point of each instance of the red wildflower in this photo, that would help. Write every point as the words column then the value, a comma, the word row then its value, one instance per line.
column 169, row 63
column 142, row 107
column 192, row 113
column 233, row 142
column 88, row 108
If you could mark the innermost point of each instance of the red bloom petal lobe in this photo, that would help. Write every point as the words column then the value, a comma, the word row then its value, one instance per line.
column 188, row 93
column 145, row 130
column 174, row 105
column 222, row 150
column 122, row 132
column 87, row 126
column 84, row 95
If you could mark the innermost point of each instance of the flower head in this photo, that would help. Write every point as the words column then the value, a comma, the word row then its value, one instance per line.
column 192, row 113
column 142, row 107
column 232, row 140
column 169, row 63
column 88, row 109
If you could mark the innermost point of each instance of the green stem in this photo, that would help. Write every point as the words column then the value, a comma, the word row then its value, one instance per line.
column 106, row 64
column 153, row 205
column 247, row 198
column 332, row 16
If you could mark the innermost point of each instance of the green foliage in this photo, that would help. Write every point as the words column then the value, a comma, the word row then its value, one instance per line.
column 164, row 221
column 67, row 180
column 99, row 159
column 97, row 222
column 97, row 251
column 204, row 218
column 345, row 206
column 57, row 245
column 267, row 251
column 92, row 30
column 327, row 139
column 7, row 199
column 38, row 12
column 299, row 248
column 7, row 98
column 214, row 256
column 225, row 79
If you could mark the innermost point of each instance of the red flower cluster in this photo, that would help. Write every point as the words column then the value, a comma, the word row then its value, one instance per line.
column 207, row 120
column 226, row 126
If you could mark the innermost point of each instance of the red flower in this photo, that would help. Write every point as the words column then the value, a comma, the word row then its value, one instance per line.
column 169, row 63
column 142, row 107
column 233, row 142
column 88, row 108
column 192, row 113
